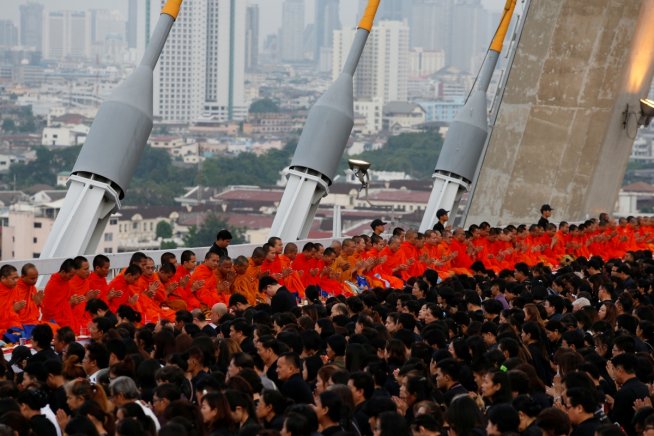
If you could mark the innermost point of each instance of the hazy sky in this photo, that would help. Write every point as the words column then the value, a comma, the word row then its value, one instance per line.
column 271, row 13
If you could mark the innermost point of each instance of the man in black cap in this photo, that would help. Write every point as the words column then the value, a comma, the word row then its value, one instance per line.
column 545, row 214
column 377, row 226
column 19, row 357
column 442, row 216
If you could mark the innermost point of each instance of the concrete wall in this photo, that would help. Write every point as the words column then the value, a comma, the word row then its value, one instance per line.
column 559, row 137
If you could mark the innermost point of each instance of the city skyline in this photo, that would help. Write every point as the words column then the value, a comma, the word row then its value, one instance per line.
column 271, row 10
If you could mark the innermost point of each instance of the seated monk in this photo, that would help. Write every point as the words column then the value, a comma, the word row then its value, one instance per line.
column 152, row 295
column 225, row 276
column 284, row 275
column 80, row 285
column 58, row 299
column 203, row 282
column 306, row 264
column 182, row 277
column 121, row 291
column 26, row 291
column 330, row 277
column 98, row 278
column 246, row 282
column 166, row 273
column 9, row 317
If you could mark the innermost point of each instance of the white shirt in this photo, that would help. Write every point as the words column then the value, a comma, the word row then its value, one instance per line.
column 150, row 413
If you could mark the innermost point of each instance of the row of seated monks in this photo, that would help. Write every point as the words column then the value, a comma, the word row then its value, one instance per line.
column 344, row 267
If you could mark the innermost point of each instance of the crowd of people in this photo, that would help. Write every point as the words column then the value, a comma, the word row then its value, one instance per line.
column 527, row 330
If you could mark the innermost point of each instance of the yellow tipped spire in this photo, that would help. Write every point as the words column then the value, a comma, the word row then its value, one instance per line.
column 369, row 15
column 172, row 8
column 503, row 28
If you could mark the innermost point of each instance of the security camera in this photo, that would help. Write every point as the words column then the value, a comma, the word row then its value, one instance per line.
column 358, row 165
column 360, row 169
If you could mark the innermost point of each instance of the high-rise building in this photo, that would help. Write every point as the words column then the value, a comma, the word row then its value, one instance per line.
column 31, row 25
column 251, row 37
column 291, row 33
column 8, row 34
column 384, row 67
column 470, row 35
column 431, row 24
column 327, row 20
column 397, row 10
column 201, row 70
column 67, row 35
column 132, row 23
column 105, row 24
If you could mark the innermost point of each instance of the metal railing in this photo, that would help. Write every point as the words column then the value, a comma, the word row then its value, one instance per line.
column 119, row 261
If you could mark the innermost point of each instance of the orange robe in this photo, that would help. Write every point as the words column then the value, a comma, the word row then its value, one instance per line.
column 56, row 302
column 80, row 286
column 332, row 286
column 292, row 282
column 207, row 295
column 184, row 292
column 97, row 283
column 304, row 265
column 247, row 284
column 8, row 317
column 150, row 307
column 30, row 313
column 120, row 284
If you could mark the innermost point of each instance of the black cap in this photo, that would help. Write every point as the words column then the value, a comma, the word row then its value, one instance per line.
column 377, row 222
column 545, row 207
column 441, row 212
column 20, row 353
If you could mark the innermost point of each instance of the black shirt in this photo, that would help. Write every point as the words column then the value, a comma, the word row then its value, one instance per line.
column 42, row 427
column 587, row 428
column 297, row 390
column 543, row 222
column 221, row 252
column 283, row 301
column 623, row 407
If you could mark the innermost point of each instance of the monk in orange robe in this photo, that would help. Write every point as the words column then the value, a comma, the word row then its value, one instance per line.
column 225, row 276
column 395, row 264
column 182, row 276
column 172, row 300
column 58, row 300
column 203, row 282
column 81, row 285
column 275, row 268
column 10, row 306
column 122, row 292
column 152, row 295
column 98, row 278
column 306, row 264
column 246, row 281
column 26, row 291
column 329, row 276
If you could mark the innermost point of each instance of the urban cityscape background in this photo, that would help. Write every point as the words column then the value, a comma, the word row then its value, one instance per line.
column 231, row 94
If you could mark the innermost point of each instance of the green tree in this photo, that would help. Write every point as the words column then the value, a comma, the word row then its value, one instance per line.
column 168, row 245
column 164, row 230
column 414, row 153
column 263, row 106
column 205, row 234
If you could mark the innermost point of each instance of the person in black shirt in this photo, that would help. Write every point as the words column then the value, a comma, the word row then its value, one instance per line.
column 42, row 336
column 31, row 401
column 447, row 379
column 581, row 404
column 442, row 215
column 293, row 385
column 362, row 386
column 223, row 239
column 623, row 369
column 281, row 300
column 270, row 409
column 545, row 214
